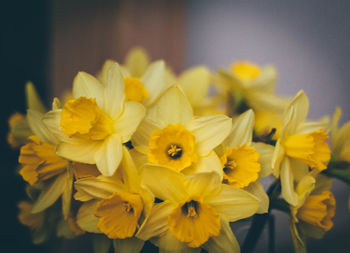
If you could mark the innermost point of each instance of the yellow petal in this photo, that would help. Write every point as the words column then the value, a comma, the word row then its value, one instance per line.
column 234, row 203
column 101, row 244
column 86, row 219
column 287, row 182
column 130, row 245
column 141, row 137
column 137, row 61
column 265, row 152
column 209, row 131
column 67, row 194
column 165, row 183
column 203, row 184
column 85, row 85
column 257, row 189
column 242, row 130
column 33, row 99
column 82, row 151
column 171, row 108
column 39, row 129
column 129, row 120
column 209, row 163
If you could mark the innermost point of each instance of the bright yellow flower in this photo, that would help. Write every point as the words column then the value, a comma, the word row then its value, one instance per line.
column 92, row 127
column 252, row 83
column 115, row 206
column 301, row 141
column 266, row 121
column 196, row 209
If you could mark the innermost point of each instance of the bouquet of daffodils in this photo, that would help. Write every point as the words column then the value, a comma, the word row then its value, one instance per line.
column 136, row 154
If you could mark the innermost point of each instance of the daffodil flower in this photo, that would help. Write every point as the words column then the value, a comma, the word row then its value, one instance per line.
column 340, row 139
column 144, row 82
column 92, row 126
column 243, row 161
column 312, row 216
column 301, row 145
column 171, row 137
column 254, row 84
column 115, row 206
column 195, row 212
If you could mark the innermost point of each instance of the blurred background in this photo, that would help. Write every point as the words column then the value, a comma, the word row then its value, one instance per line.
column 49, row 41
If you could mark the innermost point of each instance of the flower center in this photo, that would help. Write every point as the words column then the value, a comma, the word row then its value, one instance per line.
column 83, row 118
column 174, row 151
column 191, row 209
column 134, row 89
column 240, row 166
column 245, row 71
column 173, row 146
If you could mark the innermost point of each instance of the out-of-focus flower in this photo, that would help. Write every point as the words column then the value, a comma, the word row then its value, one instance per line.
column 92, row 127
column 171, row 137
column 195, row 212
column 340, row 139
column 247, row 82
column 300, row 144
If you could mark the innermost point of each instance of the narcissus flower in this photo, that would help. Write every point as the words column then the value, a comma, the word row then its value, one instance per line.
column 312, row 216
column 195, row 212
column 253, row 84
column 115, row 206
column 93, row 126
column 243, row 161
column 171, row 137
column 301, row 141
column 340, row 139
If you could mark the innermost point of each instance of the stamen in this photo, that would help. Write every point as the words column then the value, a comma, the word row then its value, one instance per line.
column 230, row 165
column 190, row 209
column 127, row 207
column 174, row 151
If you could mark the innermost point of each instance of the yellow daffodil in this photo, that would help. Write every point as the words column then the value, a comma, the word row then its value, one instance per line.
column 92, row 127
column 253, row 84
column 315, row 208
column 115, row 206
column 243, row 161
column 144, row 82
column 340, row 139
column 195, row 212
column 302, row 141
column 171, row 137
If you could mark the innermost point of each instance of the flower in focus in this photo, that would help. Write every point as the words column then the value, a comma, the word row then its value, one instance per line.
column 170, row 136
column 195, row 211
column 300, row 144
column 115, row 206
column 92, row 127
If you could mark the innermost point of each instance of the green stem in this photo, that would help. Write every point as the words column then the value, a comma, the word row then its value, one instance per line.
column 341, row 174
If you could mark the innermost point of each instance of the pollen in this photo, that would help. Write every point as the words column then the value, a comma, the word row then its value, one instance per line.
column 83, row 118
column 173, row 146
column 134, row 90
column 240, row 166
column 245, row 71
column 119, row 214
column 194, row 222
column 310, row 148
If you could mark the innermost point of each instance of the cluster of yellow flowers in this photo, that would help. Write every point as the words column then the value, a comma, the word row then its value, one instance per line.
column 138, row 154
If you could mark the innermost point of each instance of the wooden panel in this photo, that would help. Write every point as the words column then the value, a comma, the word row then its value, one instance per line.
column 85, row 33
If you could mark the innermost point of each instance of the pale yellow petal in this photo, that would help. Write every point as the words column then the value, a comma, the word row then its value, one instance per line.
column 137, row 61
column 311, row 126
column 114, row 92
column 157, row 222
column 323, row 183
column 154, row 80
column 50, row 194
column 265, row 152
column 82, row 151
column 33, row 99
column 129, row 120
column 86, row 219
column 130, row 175
column 257, row 189
column 207, row 163
column 67, row 194
column 98, row 187
column 209, row 131
column 195, row 84
column 225, row 242
column 109, row 155
column 287, row 182
column 85, row 85
column 203, row 184
column 264, row 100
column 242, row 130
column 165, row 183
column 299, row 169
column 277, row 158
column 129, row 245
column 141, row 137
column 171, row 108
column 39, row 129
column 234, row 203
column 101, row 244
